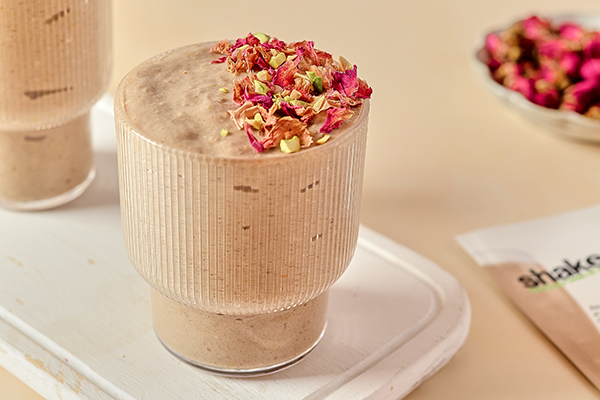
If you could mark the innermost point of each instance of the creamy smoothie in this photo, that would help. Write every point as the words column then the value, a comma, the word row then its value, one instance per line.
column 54, row 65
column 239, row 239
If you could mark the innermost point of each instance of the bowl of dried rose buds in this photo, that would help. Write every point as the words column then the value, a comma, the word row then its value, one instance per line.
column 548, row 69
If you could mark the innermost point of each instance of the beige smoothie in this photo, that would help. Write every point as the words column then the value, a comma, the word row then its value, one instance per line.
column 240, row 243
column 54, row 65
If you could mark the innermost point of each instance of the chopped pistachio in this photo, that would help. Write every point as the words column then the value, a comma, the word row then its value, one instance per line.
column 260, row 87
column 277, row 60
column 323, row 139
column 288, row 99
column 318, row 84
column 290, row 146
column 224, row 90
column 295, row 95
column 257, row 122
column 262, row 37
column 319, row 103
column 224, row 132
column 345, row 64
column 299, row 103
column 263, row 75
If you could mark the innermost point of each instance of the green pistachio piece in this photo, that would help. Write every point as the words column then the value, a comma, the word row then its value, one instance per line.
column 299, row 103
column 295, row 95
column 257, row 122
column 263, row 75
column 323, row 139
column 318, row 84
column 224, row 90
column 260, row 87
column 290, row 146
column 224, row 132
column 262, row 37
column 277, row 60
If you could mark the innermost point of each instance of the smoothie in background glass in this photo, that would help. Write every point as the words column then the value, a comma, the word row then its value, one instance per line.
column 55, row 61
column 240, row 223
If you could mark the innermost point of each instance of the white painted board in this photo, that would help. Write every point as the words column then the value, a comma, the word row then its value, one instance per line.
column 75, row 316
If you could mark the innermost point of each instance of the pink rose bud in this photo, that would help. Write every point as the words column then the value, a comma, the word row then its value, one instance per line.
column 570, row 63
column 521, row 85
column 553, row 48
column 571, row 31
column 496, row 47
column 505, row 70
column 552, row 72
column 580, row 96
column 590, row 69
column 548, row 99
column 536, row 28
column 591, row 49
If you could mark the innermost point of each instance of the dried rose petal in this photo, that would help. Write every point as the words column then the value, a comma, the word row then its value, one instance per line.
column 287, row 128
column 346, row 82
column 222, row 47
column 247, row 110
column 219, row 60
column 284, row 75
column 253, row 141
column 335, row 118
column 363, row 91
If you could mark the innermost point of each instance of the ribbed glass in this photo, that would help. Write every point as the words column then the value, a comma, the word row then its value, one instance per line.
column 240, row 236
column 55, row 62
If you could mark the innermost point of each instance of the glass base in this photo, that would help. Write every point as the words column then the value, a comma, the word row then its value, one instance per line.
column 242, row 344
column 45, row 204
column 246, row 373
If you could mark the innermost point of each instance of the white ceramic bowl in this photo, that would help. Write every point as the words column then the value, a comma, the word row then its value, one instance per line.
column 568, row 124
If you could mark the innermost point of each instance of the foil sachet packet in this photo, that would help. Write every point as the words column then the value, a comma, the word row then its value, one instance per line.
column 550, row 268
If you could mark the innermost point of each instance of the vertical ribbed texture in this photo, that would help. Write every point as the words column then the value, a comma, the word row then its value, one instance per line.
column 240, row 236
column 55, row 60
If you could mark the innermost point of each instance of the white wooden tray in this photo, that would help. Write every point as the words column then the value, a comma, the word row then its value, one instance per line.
column 75, row 317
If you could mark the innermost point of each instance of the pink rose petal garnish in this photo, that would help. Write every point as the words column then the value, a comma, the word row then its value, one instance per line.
column 335, row 118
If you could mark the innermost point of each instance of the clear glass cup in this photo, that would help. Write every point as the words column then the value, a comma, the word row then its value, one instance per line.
column 239, row 252
column 55, row 63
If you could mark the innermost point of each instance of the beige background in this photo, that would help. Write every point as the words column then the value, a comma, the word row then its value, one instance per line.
column 444, row 157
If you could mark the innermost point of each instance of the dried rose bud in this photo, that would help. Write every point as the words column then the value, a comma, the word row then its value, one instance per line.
column 552, row 72
column 536, row 28
column 571, row 31
column 591, row 49
column 496, row 47
column 593, row 111
column 552, row 48
column 505, row 70
column 546, row 95
column 570, row 63
column 590, row 69
column 580, row 96
column 521, row 85
column 529, row 70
